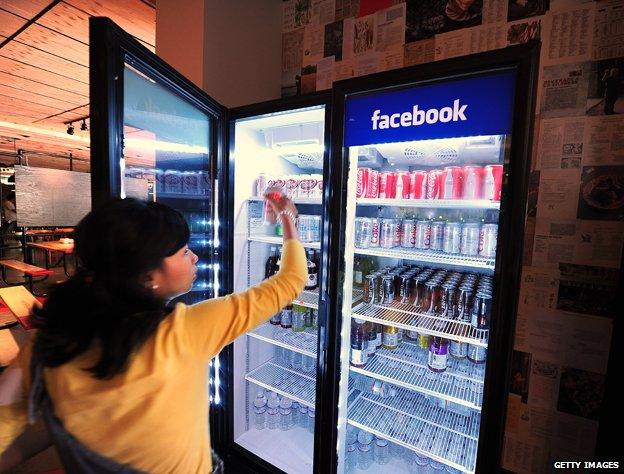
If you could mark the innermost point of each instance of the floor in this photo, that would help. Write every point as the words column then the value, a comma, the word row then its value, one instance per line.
column 10, row 340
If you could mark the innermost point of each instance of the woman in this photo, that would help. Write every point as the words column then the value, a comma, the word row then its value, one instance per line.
column 125, row 372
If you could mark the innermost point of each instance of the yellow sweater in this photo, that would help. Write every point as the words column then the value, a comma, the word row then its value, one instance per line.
column 154, row 416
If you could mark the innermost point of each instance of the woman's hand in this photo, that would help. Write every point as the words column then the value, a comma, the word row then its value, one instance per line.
column 279, row 207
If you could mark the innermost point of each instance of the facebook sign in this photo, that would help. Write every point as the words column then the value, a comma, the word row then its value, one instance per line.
column 457, row 108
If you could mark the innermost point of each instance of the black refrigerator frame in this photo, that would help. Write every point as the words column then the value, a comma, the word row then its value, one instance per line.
column 238, row 458
column 525, row 59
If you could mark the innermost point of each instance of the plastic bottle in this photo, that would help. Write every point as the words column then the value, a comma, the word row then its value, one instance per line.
column 382, row 455
column 295, row 413
column 260, row 408
column 351, row 457
column 303, row 417
column 311, row 413
column 272, row 411
column 373, row 387
column 285, row 410
column 365, row 451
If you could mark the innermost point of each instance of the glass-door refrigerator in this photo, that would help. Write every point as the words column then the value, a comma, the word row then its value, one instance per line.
column 270, row 373
column 428, row 224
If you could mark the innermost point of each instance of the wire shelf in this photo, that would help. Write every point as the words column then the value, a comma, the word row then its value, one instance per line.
column 429, row 256
column 286, row 382
column 267, row 239
column 316, row 201
column 406, row 317
column 308, row 298
column 412, row 431
column 304, row 342
column 432, row 203
column 406, row 366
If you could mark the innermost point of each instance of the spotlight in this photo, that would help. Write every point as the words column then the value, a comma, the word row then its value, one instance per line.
column 70, row 129
column 83, row 126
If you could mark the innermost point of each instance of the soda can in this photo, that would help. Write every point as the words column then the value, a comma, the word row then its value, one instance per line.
column 371, row 289
column 160, row 181
column 418, row 184
column 363, row 232
column 375, row 228
column 464, row 303
column 387, row 185
column 261, row 184
column 406, row 288
column 317, row 190
column 481, row 311
column 458, row 350
column 387, row 233
column 403, row 189
column 372, row 185
column 292, row 183
column 448, row 303
column 423, row 234
column 304, row 189
column 493, row 182
column 361, row 187
column 473, row 182
column 452, row 237
column 205, row 183
column 476, row 354
column 434, row 181
column 452, row 183
column 277, row 182
column 173, row 182
column 387, row 285
column 398, row 232
column 437, row 236
column 487, row 240
column 316, row 228
column 431, row 300
column 408, row 233
column 470, row 239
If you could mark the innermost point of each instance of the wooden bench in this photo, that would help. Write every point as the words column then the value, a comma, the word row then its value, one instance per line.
column 29, row 271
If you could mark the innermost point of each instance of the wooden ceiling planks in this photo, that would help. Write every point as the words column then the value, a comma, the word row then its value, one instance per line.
column 134, row 16
column 6, row 90
column 44, row 60
column 24, row 8
column 49, row 40
column 9, row 23
column 32, row 88
column 41, row 75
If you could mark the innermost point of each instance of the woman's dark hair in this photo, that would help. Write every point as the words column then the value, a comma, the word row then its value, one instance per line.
column 106, row 302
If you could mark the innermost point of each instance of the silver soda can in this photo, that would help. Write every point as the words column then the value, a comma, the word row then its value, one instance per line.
column 371, row 289
column 408, row 237
column 470, row 239
column 375, row 231
column 363, row 232
column 452, row 237
column 437, row 236
column 387, row 233
column 387, row 285
column 315, row 222
column 423, row 235
column 487, row 240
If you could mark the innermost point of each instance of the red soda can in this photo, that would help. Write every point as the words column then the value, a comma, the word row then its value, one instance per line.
column 387, row 185
column 403, row 186
column 493, row 182
column 433, row 184
column 473, row 182
column 375, row 229
column 361, row 188
column 372, row 186
column 418, row 184
column 452, row 183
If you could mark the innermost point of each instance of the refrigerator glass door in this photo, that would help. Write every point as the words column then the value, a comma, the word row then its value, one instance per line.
column 426, row 166
column 274, row 371
column 166, row 158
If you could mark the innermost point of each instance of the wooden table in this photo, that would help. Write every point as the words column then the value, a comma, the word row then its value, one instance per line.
column 49, row 248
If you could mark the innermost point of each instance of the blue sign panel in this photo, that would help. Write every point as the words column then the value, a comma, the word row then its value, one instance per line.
column 460, row 108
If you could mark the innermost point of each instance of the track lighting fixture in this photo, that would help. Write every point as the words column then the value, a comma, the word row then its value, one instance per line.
column 83, row 125
column 70, row 129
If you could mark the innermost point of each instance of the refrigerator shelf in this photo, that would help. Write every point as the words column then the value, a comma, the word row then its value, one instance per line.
column 267, row 239
column 449, row 447
column 404, row 316
column 407, row 367
column 286, row 382
column 432, row 203
column 429, row 256
column 302, row 342
column 181, row 196
column 315, row 201
column 308, row 298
